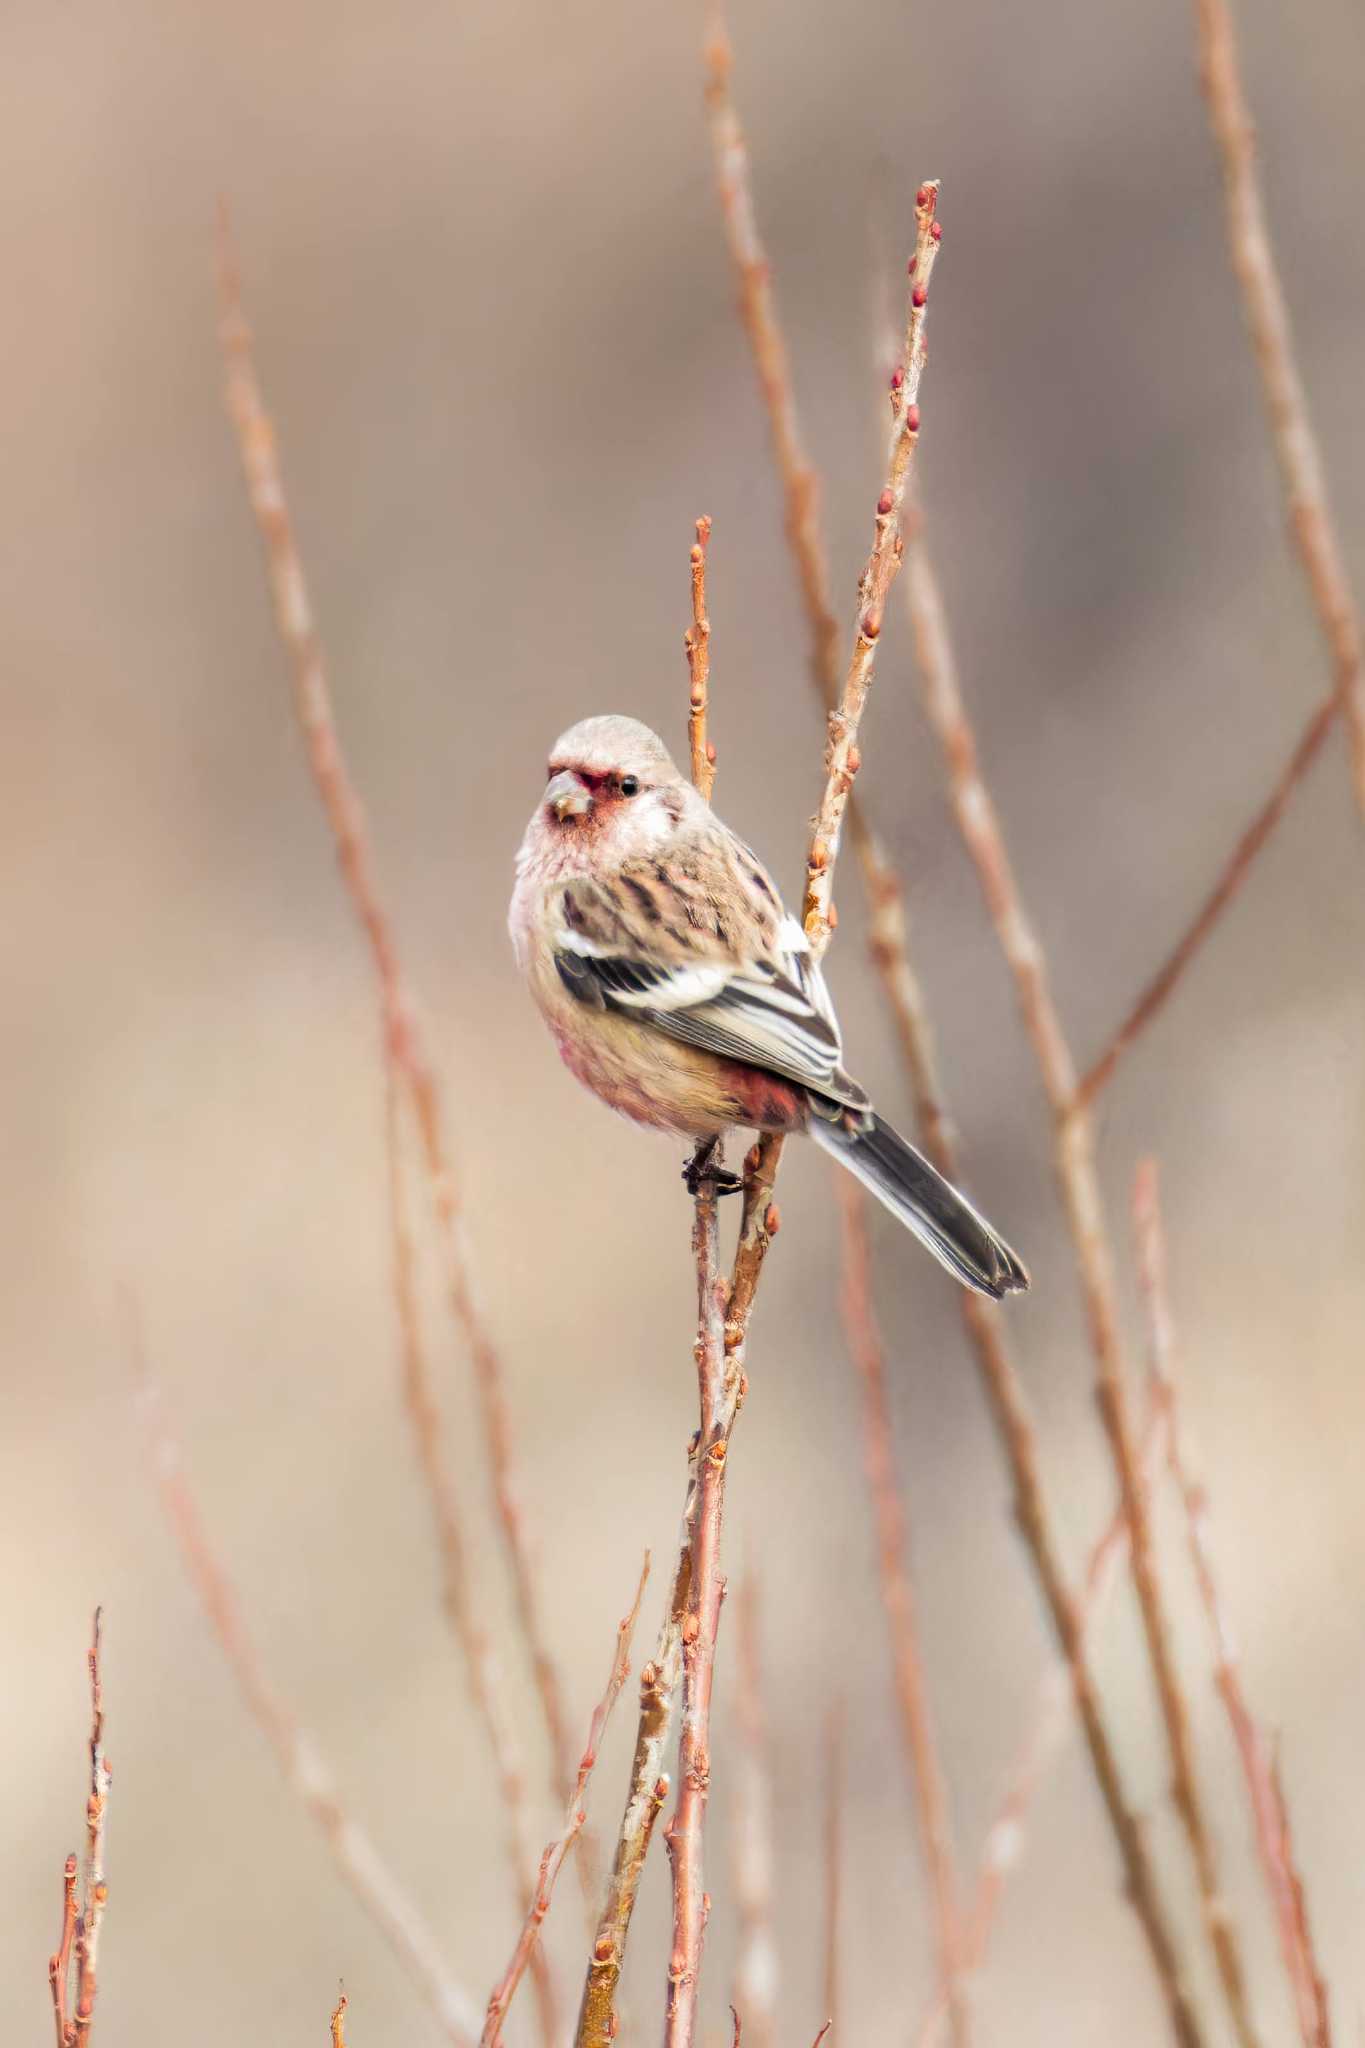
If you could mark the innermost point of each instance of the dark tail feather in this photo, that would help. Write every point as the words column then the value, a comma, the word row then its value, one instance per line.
column 925, row 1202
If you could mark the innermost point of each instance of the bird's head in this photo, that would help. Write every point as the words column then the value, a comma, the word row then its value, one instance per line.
column 612, row 792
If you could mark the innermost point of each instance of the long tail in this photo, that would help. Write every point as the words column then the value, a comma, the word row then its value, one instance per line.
column 925, row 1202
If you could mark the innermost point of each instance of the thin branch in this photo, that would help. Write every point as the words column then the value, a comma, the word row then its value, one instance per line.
column 304, row 1770
column 1004, row 1389
column 1078, row 1180
column 701, row 1622
column 756, row 1965
column 1258, row 1768
column 834, row 1789
column 339, row 2022
column 82, row 1917
column 907, row 1663
column 482, row 1667
column 888, row 929
column 697, row 642
column 553, row 1859
column 1162, row 985
column 1297, row 449
column 1312, row 524
column 350, row 831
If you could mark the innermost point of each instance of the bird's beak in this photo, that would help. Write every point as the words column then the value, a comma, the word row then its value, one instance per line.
column 566, row 796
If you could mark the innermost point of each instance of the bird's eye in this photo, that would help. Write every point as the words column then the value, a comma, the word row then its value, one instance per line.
column 630, row 785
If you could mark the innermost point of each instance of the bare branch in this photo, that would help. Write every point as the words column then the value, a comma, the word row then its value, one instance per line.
column 303, row 1768
column 1074, row 1160
column 756, row 1967
column 1267, row 1800
column 1001, row 1380
column 701, row 1623
column 346, row 817
column 339, row 2022
column 907, row 1663
column 81, row 1920
column 697, row 641
column 1297, row 450
column 482, row 1667
column 556, row 1851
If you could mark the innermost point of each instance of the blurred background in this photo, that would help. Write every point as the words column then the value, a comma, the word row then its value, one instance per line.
column 495, row 321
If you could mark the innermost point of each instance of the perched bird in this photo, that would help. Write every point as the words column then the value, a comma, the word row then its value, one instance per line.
column 680, row 992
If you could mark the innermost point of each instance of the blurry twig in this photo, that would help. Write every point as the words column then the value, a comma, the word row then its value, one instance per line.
column 1074, row 1159
column 1307, row 498
column 552, row 1860
column 1267, row 316
column 801, row 496
column 911, row 1692
column 346, row 816
column 339, row 2022
column 81, row 1922
column 1004, row 1389
column 1270, row 1818
column 304, row 1771
column 756, row 1969
column 482, row 1667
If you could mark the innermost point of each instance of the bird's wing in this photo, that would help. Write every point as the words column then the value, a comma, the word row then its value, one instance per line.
column 699, row 947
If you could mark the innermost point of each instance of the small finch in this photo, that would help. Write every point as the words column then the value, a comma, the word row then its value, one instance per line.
column 679, row 990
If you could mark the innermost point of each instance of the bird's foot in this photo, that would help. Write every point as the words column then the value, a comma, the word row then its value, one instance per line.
column 701, row 1166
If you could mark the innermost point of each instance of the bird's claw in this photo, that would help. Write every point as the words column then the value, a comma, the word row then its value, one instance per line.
column 700, row 1167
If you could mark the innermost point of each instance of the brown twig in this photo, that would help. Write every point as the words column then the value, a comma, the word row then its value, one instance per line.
column 482, row 1668
column 81, row 1922
column 350, row 831
column 834, row 1790
column 1297, row 449
column 1303, row 476
column 907, row 1664
column 1078, row 1180
column 1162, row 985
column 756, row 1969
column 1004, row 1390
column 1267, row 1801
column 555, row 1852
column 304, row 1770
column 888, row 933
column 339, row 2022
column 697, row 641
column 701, row 1622
column 883, row 563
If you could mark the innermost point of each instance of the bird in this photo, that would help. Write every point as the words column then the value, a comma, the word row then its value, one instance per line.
column 681, row 992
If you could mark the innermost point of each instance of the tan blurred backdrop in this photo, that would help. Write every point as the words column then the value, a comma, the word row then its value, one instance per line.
column 495, row 321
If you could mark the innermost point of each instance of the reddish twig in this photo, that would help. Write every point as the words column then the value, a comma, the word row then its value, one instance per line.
column 339, row 2022
column 304, row 1770
column 911, row 1692
column 1297, row 449
column 756, row 1970
column 701, row 1621
column 1162, row 984
column 1002, row 1384
column 482, row 1667
column 553, row 1859
column 1312, row 525
column 697, row 642
column 1267, row 1800
column 1078, row 1180
column 346, row 817
column 888, row 936
column 81, row 1922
